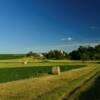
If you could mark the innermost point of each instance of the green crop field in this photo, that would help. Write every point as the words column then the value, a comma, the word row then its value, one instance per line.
column 34, row 81
column 10, row 56
column 10, row 74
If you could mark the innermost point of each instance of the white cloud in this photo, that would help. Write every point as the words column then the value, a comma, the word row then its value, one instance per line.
column 69, row 38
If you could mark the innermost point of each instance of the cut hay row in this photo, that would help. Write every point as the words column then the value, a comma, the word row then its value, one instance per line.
column 34, row 62
column 19, row 64
column 77, row 90
column 91, row 91
column 45, row 88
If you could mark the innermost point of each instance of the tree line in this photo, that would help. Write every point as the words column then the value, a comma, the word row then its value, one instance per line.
column 86, row 53
column 82, row 53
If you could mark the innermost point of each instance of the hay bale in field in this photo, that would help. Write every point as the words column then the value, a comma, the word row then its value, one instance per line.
column 25, row 62
column 56, row 70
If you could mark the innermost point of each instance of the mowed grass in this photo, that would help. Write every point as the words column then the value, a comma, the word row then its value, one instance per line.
column 91, row 91
column 34, row 81
column 11, row 70
column 51, row 87
column 11, row 74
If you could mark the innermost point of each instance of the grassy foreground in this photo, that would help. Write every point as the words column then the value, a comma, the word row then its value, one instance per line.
column 49, row 87
column 91, row 91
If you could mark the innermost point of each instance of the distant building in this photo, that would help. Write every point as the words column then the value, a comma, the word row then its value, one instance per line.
column 41, row 55
column 62, row 52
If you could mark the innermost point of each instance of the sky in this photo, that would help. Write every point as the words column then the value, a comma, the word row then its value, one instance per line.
column 42, row 25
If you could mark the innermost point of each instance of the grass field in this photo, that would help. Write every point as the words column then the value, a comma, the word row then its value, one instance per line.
column 10, row 74
column 34, row 81
column 91, row 91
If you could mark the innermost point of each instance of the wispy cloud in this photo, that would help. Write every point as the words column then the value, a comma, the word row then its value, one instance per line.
column 63, row 39
column 81, row 44
column 72, row 46
column 66, row 39
column 94, row 27
column 67, row 47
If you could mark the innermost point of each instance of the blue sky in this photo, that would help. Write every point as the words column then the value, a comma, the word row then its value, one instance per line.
column 41, row 25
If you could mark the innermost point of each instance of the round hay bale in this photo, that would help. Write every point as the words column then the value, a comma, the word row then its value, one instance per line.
column 25, row 62
column 56, row 70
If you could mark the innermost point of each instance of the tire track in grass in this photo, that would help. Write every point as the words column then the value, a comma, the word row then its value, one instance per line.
column 49, row 93
column 73, row 92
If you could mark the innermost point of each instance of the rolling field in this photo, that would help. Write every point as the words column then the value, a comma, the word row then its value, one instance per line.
column 34, row 81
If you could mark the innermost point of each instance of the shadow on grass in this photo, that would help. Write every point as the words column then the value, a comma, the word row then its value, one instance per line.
column 11, row 74
column 93, row 93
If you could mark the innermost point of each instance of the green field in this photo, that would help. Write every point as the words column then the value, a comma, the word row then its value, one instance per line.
column 10, row 74
column 10, row 56
column 34, row 80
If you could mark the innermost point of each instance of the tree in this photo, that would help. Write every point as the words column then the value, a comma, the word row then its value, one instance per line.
column 56, row 54
column 86, row 53
column 75, row 55
column 84, row 57
column 29, row 54
column 82, row 49
column 97, row 48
